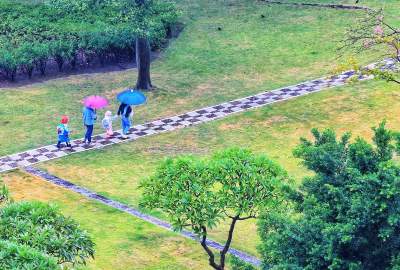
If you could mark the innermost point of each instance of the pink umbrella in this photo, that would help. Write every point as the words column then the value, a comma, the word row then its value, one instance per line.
column 95, row 102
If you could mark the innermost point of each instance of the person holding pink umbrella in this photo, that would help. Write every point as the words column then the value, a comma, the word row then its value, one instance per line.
column 89, row 114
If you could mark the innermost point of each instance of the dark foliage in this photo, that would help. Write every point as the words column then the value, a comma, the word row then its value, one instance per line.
column 347, row 216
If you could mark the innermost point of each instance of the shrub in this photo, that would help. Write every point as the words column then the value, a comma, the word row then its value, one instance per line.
column 31, row 34
column 42, row 227
column 14, row 256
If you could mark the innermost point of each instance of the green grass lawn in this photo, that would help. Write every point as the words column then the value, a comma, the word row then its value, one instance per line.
column 275, row 130
column 203, row 67
column 122, row 242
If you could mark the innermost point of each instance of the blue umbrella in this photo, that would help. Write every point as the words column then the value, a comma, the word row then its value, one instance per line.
column 131, row 97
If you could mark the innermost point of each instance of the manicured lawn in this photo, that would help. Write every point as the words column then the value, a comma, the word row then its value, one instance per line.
column 122, row 242
column 204, row 66
column 275, row 130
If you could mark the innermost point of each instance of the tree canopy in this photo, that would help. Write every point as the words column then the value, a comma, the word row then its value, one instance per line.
column 346, row 216
column 198, row 194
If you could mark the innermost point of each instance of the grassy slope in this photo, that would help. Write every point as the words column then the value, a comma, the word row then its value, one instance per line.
column 203, row 67
column 122, row 242
column 275, row 130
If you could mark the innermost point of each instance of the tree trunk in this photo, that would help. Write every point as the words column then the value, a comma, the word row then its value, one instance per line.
column 42, row 66
column 143, row 63
column 29, row 71
column 74, row 61
column 60, row 62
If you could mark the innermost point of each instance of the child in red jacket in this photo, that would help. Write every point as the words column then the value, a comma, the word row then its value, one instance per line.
column 63, row 132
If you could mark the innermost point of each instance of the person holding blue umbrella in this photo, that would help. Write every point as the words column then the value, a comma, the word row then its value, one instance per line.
column 125, row 111
column 127, row 98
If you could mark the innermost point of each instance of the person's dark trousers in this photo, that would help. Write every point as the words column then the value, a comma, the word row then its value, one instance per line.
column 89, row 132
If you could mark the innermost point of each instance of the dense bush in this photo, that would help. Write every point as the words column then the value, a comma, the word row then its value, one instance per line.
column 14, row 256
column 41, row 226
column 69, row 31
column 346, row 216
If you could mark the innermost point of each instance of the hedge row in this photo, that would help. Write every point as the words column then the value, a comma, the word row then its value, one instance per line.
column 33, row 34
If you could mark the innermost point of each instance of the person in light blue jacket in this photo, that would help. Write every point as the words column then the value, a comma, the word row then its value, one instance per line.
column 89, row 117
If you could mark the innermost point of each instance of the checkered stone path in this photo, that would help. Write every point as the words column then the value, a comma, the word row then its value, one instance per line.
column 50, row 152
column 134, row 212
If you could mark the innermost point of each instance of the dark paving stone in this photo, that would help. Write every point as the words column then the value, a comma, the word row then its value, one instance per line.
column 194, row 120
column 24, row 155
column 228, row 111
column 140, row 133
column 106, row 142
column 166, row 121
column 218, row 107
column 202, row 111
column 33, row 160
column 184, row 116
column 235, row 102
column 5, row 159
column 285, row 90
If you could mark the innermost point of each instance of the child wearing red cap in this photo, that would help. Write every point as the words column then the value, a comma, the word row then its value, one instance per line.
column 63, row 132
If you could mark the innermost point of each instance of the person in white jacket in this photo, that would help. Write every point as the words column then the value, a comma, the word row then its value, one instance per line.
column 107, row 123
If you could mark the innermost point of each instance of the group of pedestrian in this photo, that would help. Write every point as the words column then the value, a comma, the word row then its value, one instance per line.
column 89, row 117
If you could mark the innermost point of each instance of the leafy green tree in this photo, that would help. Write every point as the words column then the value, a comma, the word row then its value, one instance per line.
column 346, row 216
column 9, row 62
column 41, row 226
column 151, row 19
column 198, row 194
column 14, row 256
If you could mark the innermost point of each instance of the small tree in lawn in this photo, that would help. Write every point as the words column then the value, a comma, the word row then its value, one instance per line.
column 197, row 194
column 150, row 18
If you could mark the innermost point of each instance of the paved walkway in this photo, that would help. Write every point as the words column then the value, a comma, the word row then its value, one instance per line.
column 134, row 212
column 50, row 152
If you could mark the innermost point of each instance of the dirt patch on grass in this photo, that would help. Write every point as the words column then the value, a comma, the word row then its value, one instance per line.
column 231, row 126
column 175, row 150
column 273, row 120
column 27, row 187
